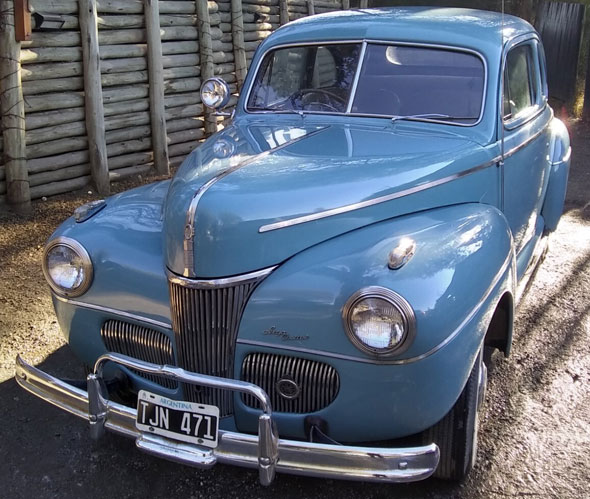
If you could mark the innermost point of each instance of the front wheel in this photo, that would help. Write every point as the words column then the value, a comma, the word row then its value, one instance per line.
column 456, row 433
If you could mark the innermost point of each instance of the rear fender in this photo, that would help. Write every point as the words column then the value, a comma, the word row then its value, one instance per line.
column 560, row 152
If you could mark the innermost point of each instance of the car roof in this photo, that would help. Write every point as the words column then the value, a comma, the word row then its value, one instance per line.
column 469, row 28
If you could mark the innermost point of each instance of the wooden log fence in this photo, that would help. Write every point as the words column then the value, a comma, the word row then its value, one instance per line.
column 115, row 92
column 13, row 114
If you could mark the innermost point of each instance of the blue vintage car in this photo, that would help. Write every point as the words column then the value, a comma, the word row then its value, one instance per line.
column 317, row 288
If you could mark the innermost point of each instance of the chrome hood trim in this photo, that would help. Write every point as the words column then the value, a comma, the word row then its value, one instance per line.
column 189, row 230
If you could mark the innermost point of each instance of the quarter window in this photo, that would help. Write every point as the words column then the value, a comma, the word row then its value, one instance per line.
column 520, row 83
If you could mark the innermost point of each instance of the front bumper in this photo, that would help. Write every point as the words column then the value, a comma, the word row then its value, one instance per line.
column 264, row 451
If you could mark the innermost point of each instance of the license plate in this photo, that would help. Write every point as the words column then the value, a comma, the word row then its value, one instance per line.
column 177, row 419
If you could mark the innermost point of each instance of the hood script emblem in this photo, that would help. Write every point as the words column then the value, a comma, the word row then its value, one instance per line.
column 273, row 331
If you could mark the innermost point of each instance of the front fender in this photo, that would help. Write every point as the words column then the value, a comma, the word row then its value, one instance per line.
column 560, row 164
column 460, row 253
column 464, row 263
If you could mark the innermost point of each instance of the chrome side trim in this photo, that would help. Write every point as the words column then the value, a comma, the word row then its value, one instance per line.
column 218, row 283
column 113, row 311
column 530, row 139
column 189, row 231
column 345, row 462
column 409, row 360
column 374, row 201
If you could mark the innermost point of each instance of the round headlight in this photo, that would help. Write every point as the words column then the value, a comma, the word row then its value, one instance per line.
column 379, row 321
column 67, row 267
column 215, row 93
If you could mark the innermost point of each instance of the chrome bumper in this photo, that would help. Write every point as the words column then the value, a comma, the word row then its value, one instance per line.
column 264, row 451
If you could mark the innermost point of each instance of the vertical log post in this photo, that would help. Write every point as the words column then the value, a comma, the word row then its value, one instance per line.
column 13, row 113
column 97, row 149
column 345, row 4
column 237, row 30
column 283, row 12
column 364, row 4
column 310, row 8
column 156, row 83
column 206, row 52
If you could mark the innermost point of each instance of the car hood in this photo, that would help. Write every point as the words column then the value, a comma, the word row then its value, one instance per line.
column 255, row 194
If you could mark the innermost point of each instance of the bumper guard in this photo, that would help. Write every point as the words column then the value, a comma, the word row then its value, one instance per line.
column 264, row 451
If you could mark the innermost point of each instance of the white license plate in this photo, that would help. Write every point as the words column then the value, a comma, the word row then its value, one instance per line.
column 177, row 419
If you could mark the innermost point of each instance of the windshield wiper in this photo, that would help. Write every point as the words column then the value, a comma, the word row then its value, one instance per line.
column 273, row 109
column 430, row 116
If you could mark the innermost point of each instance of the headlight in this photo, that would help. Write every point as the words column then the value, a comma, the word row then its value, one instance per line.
column 379, row 321
column 67, row 267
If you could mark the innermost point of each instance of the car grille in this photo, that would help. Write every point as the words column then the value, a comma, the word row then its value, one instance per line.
column 205, row 320
column 293, row 384
column 141, row 343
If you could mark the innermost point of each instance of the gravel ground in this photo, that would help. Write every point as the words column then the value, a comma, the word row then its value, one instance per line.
column 535, row 434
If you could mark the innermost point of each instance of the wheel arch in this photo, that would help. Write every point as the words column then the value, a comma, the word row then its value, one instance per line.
column 500, row 329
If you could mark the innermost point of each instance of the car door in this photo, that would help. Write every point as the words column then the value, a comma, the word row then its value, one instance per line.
column 525, row 133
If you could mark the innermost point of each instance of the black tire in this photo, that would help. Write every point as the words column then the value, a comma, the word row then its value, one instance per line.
column 456, row 433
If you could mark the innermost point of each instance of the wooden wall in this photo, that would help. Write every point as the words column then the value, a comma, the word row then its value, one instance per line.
column 145, row 93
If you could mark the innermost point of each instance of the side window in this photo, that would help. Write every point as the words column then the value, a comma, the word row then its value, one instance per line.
column 521, row 91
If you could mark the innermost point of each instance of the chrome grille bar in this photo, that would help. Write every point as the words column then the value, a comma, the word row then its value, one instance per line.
column 141, row 343
column 205, row 319
column 316, row 383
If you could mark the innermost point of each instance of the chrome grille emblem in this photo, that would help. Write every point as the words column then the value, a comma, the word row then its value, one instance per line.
column 288, row 388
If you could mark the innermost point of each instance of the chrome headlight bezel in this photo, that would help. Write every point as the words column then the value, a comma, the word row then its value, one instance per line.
column 215, row 93
column 87, row 267
column 399, row 302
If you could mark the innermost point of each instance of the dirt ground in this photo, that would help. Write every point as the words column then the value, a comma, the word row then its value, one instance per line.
column 535, row 428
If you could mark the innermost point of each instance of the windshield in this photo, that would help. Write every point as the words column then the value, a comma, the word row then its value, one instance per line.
column 307, row 78
column 421, row 83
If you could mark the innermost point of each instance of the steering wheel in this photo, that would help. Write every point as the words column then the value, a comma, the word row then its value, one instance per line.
column 307, row 94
